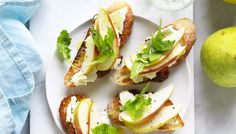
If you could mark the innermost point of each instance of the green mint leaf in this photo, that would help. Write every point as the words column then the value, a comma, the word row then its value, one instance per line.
column 160, row 45
column 100, row 59
column 63, row 43
column 104, row 45
column 156, row 45
column 145, row 89
column 135, row 108
column 109, row 38
column 97, row 38
column 104, row 129
column 136, row 69
column 154, row 57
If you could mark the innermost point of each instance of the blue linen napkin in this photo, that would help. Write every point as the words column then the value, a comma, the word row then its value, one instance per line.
column 19, row 63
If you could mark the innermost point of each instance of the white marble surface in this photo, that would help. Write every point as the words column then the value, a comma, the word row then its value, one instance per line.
column 215, row 107
column 55, row 15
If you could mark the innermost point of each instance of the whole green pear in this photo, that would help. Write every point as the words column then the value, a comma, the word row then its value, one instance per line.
column 218, row 57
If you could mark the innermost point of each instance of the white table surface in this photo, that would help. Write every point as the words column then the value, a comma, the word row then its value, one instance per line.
column 55, row 15
column 215, row 106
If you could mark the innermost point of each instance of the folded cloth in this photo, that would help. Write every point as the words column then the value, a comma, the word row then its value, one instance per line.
column 19, row 63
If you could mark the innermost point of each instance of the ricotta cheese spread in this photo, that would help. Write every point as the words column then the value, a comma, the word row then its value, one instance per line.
column 70, row 109
column 79, row 79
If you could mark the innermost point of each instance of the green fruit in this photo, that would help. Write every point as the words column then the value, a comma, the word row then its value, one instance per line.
column 230, row 1
column 218, row 57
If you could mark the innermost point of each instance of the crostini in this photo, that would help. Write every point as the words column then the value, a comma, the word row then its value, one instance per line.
column 165, row 49
column 145, row 112
column 79, row 115
column 99, row 52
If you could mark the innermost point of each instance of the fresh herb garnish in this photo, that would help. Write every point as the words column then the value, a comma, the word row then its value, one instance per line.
column 136, row 107
column 104, row 129
column 155, row 46
column 63, row 43
column 104, row 45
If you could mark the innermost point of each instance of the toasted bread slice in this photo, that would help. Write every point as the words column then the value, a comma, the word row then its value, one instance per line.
column 63, row 111
column 174, row 123
column 127, row 27
column 113, row 110
column 122, row 76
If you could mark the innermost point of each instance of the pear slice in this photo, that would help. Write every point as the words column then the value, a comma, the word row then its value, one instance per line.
column 125, row 96
column 172, row 124
column 166, row 62
column 166, row 114
column 118, row 17
column 103, row 23
column 82, row 115
column 129, row 63
column 95, row 118
column 175, row 35
column 89, row 56
column 158, row 99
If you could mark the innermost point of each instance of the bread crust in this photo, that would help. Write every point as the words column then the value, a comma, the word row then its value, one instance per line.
column 77, row 63
column 122, row 76
column 62, row 112
column 169, row 125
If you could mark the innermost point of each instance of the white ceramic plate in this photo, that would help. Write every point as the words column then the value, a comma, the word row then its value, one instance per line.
column 103, row 90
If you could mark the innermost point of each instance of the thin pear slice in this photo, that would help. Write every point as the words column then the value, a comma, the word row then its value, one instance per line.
column 125, row 96
column 95, row 118
column 103, row 23
column 158, row 99
column 128, row 63
column 118, row 18
column 166, row 114
column 173, row 124
column 89, row 56
column 171, row 58
column 176, row 36
column 81, row 116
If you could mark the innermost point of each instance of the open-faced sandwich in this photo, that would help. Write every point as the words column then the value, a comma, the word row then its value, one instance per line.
column 144, row 112
column 99, row 52
column 79, row 115
column 165, row 49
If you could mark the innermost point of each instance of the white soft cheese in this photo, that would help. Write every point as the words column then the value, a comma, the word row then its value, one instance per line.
column 70, row 109
column 117, row 64
column 150, row 75
column 79, row 79
column 87, row 72
column 118, row 17
column 169, row 28
column 141, row 77
column 138, row 79
column 92, row 76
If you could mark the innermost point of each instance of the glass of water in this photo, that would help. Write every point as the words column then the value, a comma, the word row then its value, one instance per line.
column 171, row 5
